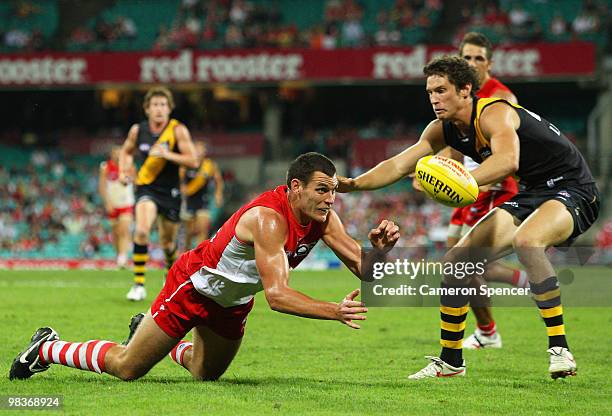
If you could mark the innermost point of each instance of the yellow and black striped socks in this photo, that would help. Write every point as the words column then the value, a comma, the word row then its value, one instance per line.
column 547, row 296
column 170, row 258
column 140, row 256
column 453, row 311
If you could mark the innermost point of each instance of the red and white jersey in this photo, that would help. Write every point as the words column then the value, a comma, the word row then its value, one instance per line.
column 118, row 194
column 486, row 91
column 223, row 268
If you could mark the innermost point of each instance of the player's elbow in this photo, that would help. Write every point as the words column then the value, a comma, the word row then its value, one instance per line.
column 512, row 164
column 274, row 297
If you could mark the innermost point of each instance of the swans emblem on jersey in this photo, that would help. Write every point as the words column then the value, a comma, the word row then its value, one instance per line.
column 144, row 147
column 302, row 250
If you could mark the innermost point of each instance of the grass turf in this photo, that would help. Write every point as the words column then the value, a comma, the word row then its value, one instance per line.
column 289, row 365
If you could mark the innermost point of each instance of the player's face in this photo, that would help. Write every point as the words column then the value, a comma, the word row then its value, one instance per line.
column 445, row 100
column 158, row 110
column 476, row 56
column 318, row 195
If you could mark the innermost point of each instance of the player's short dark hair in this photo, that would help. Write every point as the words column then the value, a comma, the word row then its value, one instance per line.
column 478, row 39
column 158, row 92
column 306, row 164
column 456, row 69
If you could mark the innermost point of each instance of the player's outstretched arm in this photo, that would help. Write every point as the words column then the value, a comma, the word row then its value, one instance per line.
column 499, row 122
column 392, row 170
column 348, row 250
column 267, row 229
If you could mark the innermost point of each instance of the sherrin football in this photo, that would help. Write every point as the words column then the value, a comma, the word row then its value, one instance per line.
column 446, row 181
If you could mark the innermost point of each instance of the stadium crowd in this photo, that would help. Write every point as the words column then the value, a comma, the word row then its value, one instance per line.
column 215, row 24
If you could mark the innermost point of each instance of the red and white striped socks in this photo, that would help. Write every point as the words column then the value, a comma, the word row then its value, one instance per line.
column 87, row 356
column 488, row 330
column 178, row 352
column 520, row 279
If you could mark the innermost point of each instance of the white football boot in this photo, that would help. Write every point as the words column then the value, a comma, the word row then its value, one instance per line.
column 562, row 363
column 137, row 293
column 478, row 340
column 438, row 368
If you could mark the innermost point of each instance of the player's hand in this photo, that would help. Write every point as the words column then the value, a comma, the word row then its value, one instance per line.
column 384, row 236
column 108, row 208
column 345, row 184
column 415, row 183
column 349, row 310
column 159, row 150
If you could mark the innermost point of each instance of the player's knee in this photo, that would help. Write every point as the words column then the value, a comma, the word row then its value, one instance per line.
column 522, row 241
column 127, row 372
column 207, row 375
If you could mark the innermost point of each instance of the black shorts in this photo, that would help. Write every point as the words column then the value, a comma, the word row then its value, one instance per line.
column 582, row 202
column 197, row 203
column 168, row 201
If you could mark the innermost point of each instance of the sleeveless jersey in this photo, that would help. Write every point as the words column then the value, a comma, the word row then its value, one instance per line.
column 118, row 194
column 157, row 172
column 487, row 90
column 223, row 268
column 198, row 180
column 547, row 157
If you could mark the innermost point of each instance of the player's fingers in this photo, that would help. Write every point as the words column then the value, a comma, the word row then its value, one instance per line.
column 383, row 225
column 354, row 309
column 351, row 324
column 352, row 295
column 354, row 317
column 352, row 304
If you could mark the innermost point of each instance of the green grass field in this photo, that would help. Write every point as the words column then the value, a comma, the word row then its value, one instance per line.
column 290, row 365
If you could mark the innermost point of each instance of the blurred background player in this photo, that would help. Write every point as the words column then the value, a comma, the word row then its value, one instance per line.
column 198, row 186
column 211, row 288
column 118, row 199
column 477, row 50
column 163, row 145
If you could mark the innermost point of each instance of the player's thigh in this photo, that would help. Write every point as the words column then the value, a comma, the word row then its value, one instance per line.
column 549, row 225
column 146, row 213
column 149, row 345
column 212, row 353
column 124, row 222
column 167, row 230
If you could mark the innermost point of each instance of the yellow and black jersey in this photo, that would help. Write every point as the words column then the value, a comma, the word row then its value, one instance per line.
column 199, row 181
column 156, row 172
column 547, row 156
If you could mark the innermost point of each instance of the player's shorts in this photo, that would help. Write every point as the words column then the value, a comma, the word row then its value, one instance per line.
column 195, row 205
column 581, row 201
column 117, row 212
column 179, row 307
column 168, row 202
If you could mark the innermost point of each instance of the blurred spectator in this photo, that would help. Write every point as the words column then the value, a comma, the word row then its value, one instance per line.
column 558, row 25
column 352, row 33
column 585, row 22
